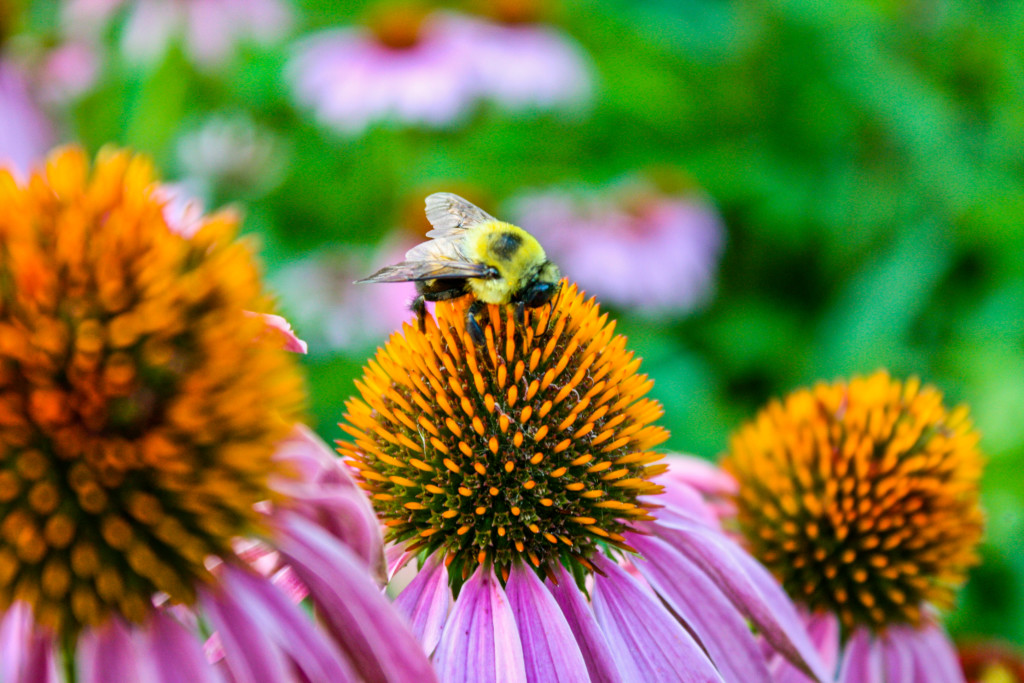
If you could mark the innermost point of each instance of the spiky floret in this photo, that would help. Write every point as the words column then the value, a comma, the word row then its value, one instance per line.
column 139, row 402
column 862, row 497
column 535, row 445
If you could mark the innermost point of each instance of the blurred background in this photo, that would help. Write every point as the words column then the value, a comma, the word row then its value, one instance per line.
column 765, row 193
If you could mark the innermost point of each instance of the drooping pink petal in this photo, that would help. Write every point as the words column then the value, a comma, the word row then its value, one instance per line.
column 308, row 648
column 647, row 642
column 426, row 601
column 708, row 614
column 280, row 326
column 480, row 643
column 26, row 651
column 550, row 651
column 325, row 493
column 862, row 660
column 172, row 654
column 591, row 641
column 373, row 635
column 749, row 586
column 108, row 653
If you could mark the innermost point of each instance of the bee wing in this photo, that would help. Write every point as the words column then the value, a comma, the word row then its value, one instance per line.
column 446, row 269
column 450, row 214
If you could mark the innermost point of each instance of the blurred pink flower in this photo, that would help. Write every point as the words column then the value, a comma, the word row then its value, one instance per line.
column 231, row 151
column 67, row 71
column 210, row 29
column 432, row 70
column 526, row 65
column 351, row 79
column 344, row 315
column 635, row 247
column 25, row 133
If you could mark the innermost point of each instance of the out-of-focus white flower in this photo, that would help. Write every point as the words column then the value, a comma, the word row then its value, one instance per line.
column 231, row 151
column 344, row 315
column 210, row 29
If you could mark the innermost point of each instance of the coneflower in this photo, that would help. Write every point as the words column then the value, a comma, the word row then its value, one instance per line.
column 147, row 424
column 519, row 476
column 862, row 498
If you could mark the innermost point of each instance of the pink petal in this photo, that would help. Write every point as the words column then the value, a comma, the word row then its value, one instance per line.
column 425, row 602
column 549, row 647
column 250, row 655
column 173, row 654
column 749, row 586
column 108, row 653
column 589, row 638
column 26, row 651
column 364, row 624
column 823, row 630
column 645, row 639
column 708, row 614
column 934, row 656
column 862, row 660
column 480, row 643
column 700, row 475
column 325, row 493
column 897, row 658
column 290, row 628
column 289, row 340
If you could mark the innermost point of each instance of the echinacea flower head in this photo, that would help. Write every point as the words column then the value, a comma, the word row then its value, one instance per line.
column 147, row 423
column 542, row 477
column 521, row 476
column 862, row 497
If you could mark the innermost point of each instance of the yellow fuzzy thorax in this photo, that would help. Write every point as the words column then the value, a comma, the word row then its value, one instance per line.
column 515, row 266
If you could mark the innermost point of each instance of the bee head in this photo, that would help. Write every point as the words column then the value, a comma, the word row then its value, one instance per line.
column 542, row 287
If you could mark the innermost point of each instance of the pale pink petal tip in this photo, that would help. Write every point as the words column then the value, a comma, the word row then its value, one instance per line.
column 550, row 651
column 291, row 340
column 480, row 642
column 700, row 474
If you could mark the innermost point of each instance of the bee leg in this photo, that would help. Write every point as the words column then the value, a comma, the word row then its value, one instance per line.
column 473, row 325
column 419, row 307
column 520, row 315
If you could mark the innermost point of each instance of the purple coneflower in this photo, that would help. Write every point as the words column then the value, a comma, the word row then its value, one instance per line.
column 862, row 498
column 519, row 477
column 210, row 29
column 408, row 66
column 147, row 427
column 521, row 63
column 634, row 247
column 25, row 132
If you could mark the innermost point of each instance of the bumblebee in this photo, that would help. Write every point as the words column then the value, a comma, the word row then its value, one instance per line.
column 471, row 253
